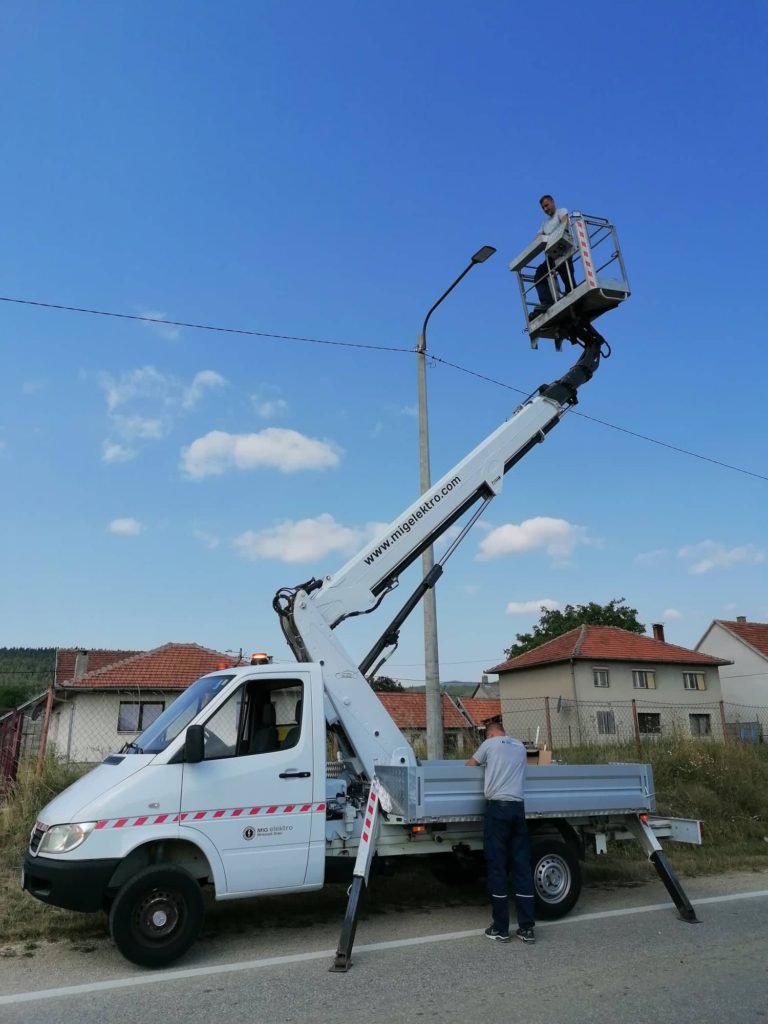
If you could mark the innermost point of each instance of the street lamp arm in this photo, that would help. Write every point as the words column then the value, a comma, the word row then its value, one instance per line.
column 422, row 346
column 479, row 257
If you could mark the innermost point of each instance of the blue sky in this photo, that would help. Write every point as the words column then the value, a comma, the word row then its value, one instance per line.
column 326, row 171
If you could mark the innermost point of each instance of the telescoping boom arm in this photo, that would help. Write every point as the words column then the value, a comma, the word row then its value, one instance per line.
column 310, row 612
column 359, row 585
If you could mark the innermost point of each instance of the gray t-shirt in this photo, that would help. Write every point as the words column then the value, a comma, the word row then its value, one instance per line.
column 505, row 762
column 551, row 224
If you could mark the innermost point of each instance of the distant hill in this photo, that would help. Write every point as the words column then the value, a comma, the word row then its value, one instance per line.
column 25, row 672
column 454, row 688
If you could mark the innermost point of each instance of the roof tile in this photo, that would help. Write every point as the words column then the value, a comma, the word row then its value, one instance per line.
column 481, row 709
column 170, row 667
column 66, row 658
column 409, row 710
column 754, row 633
column 605, row 643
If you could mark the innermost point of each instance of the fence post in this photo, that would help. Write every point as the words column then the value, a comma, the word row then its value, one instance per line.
column 549, row 723
column 44, row 733
column 635, row 723
column 722, row 722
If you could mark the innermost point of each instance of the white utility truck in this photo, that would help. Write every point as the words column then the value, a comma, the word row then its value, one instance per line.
column 231, row 787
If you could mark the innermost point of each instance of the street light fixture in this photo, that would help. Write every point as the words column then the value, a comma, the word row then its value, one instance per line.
column 431, row 656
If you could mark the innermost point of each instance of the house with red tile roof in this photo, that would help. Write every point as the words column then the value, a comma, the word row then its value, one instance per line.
column 99, row 710
column 601, row 683
column 479, row 711
column 73, row 662
column 745, row 645
column 409, row 711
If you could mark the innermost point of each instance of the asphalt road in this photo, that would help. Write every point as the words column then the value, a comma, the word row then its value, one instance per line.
column 622, row 956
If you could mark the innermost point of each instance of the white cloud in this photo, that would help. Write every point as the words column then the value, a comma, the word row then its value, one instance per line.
column 557, row 537
column 708, row 555
column 450, row 535
column 301, row 540
column 652, row 557
column 145, row 383
column 275, row 447
column 144, row 404
column 31, row 387
column 201, row 382
column 269, row 403
column 140, row 427
column 269, row 410
column 531, row 607
column 208, row 539
column 128, row 527
column 671, row 614
column 470, row 589
column 168, row 331
column 111, row 451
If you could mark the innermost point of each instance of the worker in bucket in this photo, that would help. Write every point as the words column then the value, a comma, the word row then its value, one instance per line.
column 505, row 838
column 544, row 278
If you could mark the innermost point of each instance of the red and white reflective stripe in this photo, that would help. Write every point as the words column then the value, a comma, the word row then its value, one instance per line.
column 586, row 253
column 210, row 815
column 370, row 813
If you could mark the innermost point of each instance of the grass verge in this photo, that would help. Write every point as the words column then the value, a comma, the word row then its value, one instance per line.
column 726, row 785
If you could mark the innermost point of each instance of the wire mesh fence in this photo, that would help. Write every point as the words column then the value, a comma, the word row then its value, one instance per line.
column 82, row 728
column 560, row 723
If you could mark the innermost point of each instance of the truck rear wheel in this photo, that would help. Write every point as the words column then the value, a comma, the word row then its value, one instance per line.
column 157, row 915
column 556, row 877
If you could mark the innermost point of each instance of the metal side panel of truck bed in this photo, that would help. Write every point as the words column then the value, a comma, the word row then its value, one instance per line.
column 453, row 791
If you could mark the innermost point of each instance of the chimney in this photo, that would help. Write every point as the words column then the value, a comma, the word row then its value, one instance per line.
column 658, row 631
column 742, row 619
column 81, row 664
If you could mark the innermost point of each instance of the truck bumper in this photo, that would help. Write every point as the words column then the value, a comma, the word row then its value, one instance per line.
column 74, row 885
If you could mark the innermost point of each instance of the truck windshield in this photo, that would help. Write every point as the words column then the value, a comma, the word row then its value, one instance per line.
column 177, row 716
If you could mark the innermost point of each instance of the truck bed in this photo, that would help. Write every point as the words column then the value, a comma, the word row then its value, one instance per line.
column 452, row 791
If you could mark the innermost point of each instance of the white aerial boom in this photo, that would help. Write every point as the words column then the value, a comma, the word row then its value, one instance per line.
column 310, row 612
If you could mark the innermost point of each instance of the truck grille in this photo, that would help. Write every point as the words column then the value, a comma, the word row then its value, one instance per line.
column 37, row 834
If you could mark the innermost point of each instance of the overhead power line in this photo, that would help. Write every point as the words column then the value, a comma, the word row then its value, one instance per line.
column 613, row 426
column 379, row 348
column 161, row 321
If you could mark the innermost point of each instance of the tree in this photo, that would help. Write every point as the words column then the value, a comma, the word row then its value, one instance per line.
column 385, row 684
column 554, row 623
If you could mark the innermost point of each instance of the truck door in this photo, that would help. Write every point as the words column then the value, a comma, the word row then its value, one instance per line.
column 251, row 795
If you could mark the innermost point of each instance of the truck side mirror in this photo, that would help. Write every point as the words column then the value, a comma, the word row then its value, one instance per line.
column 194, row 744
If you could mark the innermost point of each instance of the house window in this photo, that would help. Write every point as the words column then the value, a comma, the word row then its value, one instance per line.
column 694, row 681
column 606, row 723
column 136, row 715
column 649, row 723
column 701, row 725
column 643, row 679
column 600, row 677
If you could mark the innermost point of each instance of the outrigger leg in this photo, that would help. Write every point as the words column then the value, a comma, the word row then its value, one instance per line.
column 644, row 834
column 365, row 852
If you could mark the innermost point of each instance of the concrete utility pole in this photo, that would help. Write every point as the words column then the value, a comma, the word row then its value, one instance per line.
column 431, row 656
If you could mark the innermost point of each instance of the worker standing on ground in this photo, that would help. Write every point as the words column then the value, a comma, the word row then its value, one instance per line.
column 505, row 840
column 544, row 279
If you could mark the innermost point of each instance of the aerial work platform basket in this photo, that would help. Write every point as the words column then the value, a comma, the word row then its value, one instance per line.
column 571, row 277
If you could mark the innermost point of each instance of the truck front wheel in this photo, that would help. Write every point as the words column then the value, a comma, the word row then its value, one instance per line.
column 556, row 877
column 157, row 915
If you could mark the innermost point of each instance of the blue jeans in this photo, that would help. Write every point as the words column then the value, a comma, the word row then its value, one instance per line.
column 508, row 853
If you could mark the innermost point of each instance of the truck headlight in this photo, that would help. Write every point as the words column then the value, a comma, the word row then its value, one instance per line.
column 64, row 838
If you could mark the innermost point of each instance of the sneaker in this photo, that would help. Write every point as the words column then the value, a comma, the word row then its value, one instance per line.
column 491, row 933
column 524, row 934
